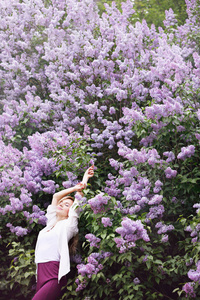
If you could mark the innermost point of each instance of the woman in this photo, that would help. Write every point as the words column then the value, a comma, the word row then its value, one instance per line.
column 52, row 250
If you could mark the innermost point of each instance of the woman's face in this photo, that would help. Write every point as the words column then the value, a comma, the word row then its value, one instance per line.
column 63, row 207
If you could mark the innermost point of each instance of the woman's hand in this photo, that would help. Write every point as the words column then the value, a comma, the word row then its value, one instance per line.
column 88, row 174
column 79, row 187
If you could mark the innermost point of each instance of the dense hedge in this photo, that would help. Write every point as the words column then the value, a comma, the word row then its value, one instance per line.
column 78, row 87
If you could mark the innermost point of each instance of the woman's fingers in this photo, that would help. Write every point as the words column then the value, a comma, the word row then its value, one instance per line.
column 91, row 171
column 80, row 186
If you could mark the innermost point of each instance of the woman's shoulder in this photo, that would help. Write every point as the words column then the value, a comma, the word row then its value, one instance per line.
column 51, row 208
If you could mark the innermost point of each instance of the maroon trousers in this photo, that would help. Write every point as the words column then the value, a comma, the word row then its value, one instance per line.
column 48, row 287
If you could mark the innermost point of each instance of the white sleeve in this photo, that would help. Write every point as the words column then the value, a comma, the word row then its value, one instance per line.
column 70, row 229
column 74, row 210
column 51, row 215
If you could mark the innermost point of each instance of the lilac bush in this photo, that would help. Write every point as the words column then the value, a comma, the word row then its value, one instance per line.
column 78, row 87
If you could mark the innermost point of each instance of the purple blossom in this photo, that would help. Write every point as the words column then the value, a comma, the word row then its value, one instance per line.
column 170, row 156
column 169, row 173
column 170, row 18
column 194, row 240
column 106, row 222
column 94, row 241
column 91, row 267
column 155, row 212
column 136, row 281
column 190, row 262
column 186, row 152
column 164, row 228
column 115, row 164
column 194, row 275
column 112, row 110
column 130, row 232
column 18, row 230
column 197, row 205
column 198, row 114
column 165, row 238
column 188, row 288
column 157, row 199
column 97, row 203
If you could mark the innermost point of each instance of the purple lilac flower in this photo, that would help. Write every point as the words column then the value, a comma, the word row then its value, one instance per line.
column 186, row 152
column 93, row 240
column 170, row 156
column 155, row 212
column 188, row 228
column 180, row 128
column 136, row 281
column 106, row 222
column 165, row 228
column 197, row 205
column 194, row 240
column 197, row 135
column 76, row 258
column 112, row 110
column 198, row 114
column 170, row 19
column 107, row 254
column 97, row 203
column 91, row 267
column 190, row 262
column 169, row 173
column 18, row 230
column 188, row 288
column 130, row 232
column 165, row 238
column 80, row 285
column 156, row 199
column 145, row 258
column 115, row 164
column 66, row 184
column 194, row 275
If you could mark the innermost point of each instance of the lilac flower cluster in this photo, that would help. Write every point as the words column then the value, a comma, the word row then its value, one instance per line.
column 163, row 228
column 170, row 156
column 93, row 266
column 94, row 241
column 169, row 173
column 194, row 275
column 106, row 222
column 165, row 238
column 138, row 157
column 194, row 232
column 18, row 230
column 155, row 212
column 98, row 203
column 157, row 199
column 130, row 232
column 158, row 186
column 197, row 205
column 188, row 288
column 136, row 281
column 37, row 214
column 186, row 152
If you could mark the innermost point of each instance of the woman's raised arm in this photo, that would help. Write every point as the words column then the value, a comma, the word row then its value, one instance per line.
column 59, row 195
column 77, row 188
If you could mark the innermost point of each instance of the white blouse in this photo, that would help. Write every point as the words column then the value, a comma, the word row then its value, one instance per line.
column 52, row 242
